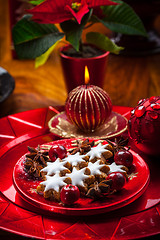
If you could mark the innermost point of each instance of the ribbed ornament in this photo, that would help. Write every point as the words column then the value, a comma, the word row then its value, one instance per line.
column 88, row 107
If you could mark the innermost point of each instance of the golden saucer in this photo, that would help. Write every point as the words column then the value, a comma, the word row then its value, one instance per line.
column 115, row 125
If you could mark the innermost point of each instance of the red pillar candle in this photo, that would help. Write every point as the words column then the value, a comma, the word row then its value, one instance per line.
column 88, row 107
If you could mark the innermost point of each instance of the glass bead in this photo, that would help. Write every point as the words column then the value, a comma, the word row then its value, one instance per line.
column 140, row 111
column 153, row 115
column 152, row 99
column 155, row 106
column 141, row 101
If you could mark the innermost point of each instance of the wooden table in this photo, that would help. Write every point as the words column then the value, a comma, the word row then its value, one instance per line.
column 127, row 79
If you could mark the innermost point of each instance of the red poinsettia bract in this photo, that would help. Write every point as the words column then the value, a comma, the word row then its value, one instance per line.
column 57, row 11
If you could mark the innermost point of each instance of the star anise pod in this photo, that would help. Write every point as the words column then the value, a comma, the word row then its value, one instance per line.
column 35, row 170
column 118, row 144
column 99, row 190
column 35, row 161
column 37, row 155
column 82, row 146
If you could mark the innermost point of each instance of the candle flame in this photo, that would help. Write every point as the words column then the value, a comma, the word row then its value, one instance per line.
column 86, row 74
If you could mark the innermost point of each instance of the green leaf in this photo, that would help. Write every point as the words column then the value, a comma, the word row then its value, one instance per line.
column 102, row 42
column 121, row 18
column 32, row 39
column 73, row 30
column 39, row 61
column 36, row 2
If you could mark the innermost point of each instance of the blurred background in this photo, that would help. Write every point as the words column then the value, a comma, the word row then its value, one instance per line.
column 130, row 76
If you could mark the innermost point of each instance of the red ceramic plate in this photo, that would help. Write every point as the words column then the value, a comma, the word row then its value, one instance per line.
column 134, row 188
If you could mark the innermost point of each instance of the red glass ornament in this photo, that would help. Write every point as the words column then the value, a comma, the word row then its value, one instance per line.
column 145, row 131
column 88, row 107
column 140, row 111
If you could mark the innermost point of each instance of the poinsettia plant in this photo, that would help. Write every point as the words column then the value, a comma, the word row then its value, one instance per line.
column 51, row 21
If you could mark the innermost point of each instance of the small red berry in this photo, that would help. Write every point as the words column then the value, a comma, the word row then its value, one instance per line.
column 118, row 180
column 69, row 194
column 57, row 151
column 123, row 157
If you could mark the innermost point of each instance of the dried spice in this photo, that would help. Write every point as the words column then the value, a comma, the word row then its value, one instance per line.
column 118, row 144
column 99, row 190
column 35, row 161
column 81, row 146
